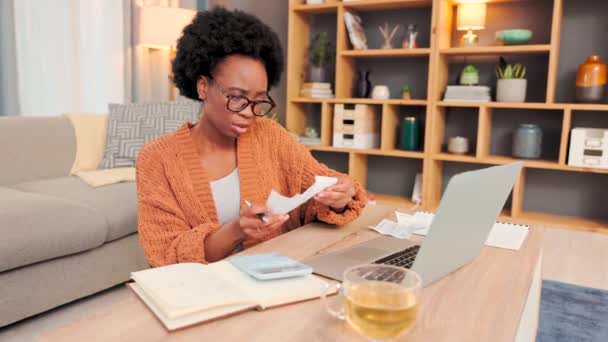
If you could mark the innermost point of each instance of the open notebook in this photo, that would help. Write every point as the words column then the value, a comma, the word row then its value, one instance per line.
column 185, row 294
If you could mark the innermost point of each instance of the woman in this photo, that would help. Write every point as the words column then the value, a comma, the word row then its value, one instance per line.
column 195, row 185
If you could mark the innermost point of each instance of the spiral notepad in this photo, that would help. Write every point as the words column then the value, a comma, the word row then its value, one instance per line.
column 503, row 234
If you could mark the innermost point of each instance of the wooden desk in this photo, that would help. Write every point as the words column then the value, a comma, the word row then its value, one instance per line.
column 483, row 301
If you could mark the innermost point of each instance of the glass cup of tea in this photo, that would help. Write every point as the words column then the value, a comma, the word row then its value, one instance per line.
column 379, row 301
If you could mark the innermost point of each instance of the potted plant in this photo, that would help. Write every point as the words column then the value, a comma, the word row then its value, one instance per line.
column 511, row 84
column 320, row 55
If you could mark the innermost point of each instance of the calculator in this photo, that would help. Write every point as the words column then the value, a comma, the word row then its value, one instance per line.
column 270, row 266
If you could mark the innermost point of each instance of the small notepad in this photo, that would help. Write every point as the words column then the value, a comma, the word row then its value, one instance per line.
column 503, row 235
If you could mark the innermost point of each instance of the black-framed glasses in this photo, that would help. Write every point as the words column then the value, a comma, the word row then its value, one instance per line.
column 236, row 103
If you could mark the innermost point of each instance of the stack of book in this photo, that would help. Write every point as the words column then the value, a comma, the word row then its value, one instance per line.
column 316, row 90
column 309, row 140
column 467, row 93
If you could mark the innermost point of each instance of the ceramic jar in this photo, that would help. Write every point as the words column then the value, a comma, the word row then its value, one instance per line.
column 591, row 80
column 381, row 92
column 458, row 145
column 527, row 141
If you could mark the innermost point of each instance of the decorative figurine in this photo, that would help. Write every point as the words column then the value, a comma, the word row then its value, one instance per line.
column 405, row 93
column 388, row 37
column 410, row 40
column 469, row 75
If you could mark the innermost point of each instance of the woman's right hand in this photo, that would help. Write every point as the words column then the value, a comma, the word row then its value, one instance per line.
column 254, row 228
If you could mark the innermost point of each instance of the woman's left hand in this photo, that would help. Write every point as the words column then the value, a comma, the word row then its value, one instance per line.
column 338, row 195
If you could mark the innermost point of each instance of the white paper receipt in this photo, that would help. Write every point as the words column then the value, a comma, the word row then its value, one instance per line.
column 279, row 204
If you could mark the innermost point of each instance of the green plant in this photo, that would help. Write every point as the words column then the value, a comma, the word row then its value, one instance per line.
column 505, row 70
column 320, row 50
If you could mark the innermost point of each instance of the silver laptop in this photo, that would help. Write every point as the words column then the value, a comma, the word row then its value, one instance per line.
column 469, row 207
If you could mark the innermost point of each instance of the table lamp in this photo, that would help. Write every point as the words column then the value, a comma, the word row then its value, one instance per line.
column 471, row 16
column 160, row 27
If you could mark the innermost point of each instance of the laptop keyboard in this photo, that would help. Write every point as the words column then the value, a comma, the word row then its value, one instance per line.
column 404, row 258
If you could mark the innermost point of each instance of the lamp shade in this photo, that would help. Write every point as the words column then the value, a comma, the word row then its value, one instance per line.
column 162, row 26
column 471, row 16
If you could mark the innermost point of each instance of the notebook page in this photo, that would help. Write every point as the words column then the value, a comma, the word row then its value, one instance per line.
column 503, row 235
column 188, row 319
column 185, row 288
column 268, row 293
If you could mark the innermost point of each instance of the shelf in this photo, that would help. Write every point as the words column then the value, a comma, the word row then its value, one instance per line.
column 375, row 152
column 463, row 158
column 328, row 7
column 525, row 105
column 560, row 221
column 360, row 100
column 499, row 160
column 496, row 50
column 392, row 200
column 513, row 105
column 377, row 5
column 586, row 106
column 308, row 100
column 373, row 53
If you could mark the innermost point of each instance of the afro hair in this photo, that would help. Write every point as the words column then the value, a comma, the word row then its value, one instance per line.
column 216, row 34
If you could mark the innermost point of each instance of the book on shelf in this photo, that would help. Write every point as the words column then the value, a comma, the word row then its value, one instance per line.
column 185, row 294
column 316, row 95
column 316, row 90
column 316, row 85
column 467, row 93
column 309, row 140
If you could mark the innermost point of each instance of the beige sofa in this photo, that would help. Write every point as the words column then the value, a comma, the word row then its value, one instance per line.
column 60, row 239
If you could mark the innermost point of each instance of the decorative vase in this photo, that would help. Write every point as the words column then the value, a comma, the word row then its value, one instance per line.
column 511, row 90
column 591, row 80
column 362, row 85
column 317, row 73
column 409, row 138
column 381, row 92
column 527, row 141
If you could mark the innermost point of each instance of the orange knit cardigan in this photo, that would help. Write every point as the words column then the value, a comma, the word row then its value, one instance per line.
column 176, row 209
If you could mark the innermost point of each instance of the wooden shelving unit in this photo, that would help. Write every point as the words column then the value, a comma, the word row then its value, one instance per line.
column 496, row 50
column 440, row 54
column 371, row 53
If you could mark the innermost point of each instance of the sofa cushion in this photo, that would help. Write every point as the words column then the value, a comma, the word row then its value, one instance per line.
column 37, row 227
column 116, row 202
column 132, row 125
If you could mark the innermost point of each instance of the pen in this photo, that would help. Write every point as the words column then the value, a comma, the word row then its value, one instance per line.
column 260, row 216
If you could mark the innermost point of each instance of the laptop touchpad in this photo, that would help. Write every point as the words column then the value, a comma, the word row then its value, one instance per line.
column 363, row 253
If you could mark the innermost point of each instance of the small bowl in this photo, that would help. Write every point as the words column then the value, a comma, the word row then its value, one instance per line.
column 514, row 37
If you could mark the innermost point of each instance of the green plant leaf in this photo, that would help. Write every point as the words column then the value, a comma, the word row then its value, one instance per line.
column 320, row 51
column 508, row 72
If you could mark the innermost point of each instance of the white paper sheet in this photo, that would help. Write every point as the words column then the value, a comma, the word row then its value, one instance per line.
column 502, row 235
column 279, row 204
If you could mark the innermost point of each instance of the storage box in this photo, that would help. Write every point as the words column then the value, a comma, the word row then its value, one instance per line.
column 356, row 126
column 588, row 147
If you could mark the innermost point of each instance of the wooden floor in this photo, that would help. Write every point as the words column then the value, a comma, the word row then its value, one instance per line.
column 576, row 257
column 573, row 257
